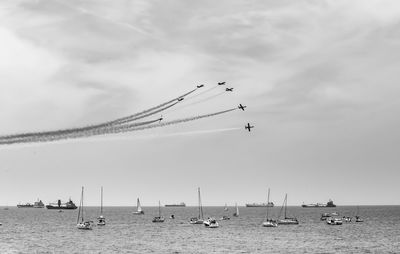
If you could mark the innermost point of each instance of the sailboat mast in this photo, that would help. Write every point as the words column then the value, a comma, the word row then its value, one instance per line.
column 159, row 208
column 285, row 204
column 268, row 204
column 82, row 204
column 101, row 208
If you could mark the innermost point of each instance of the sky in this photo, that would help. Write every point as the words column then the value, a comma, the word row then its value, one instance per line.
column 319, row 78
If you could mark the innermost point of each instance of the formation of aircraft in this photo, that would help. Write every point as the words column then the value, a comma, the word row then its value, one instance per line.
column 221, row 83
column 200, row 86
column 248, row 126
column 241, row 107
column 229, row 89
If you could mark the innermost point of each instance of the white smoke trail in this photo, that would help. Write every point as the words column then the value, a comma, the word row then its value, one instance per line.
column 127, row 119
column 113, row 129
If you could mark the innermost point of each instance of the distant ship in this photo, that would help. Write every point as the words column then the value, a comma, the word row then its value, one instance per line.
column 328, row 204
column 37, row 204
column 182, row 204
column 269, row 204
column 65, row 206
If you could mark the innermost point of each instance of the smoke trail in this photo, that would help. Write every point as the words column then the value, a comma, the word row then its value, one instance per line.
column 47, row 138
column 129, row 128
column 113, row 129
column 126, row 119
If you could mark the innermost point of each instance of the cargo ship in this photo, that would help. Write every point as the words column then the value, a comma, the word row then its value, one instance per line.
column 328, row 204
column 37, row 204
column 62, row 206
column 269, row 204
column 182, row 204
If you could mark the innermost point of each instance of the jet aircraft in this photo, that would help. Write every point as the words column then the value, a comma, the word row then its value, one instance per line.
column 241, row 107
column 248, row 126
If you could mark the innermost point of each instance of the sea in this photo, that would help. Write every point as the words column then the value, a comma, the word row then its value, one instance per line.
column 32, row 230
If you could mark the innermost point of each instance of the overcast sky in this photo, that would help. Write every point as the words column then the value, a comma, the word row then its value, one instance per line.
column 320, row 79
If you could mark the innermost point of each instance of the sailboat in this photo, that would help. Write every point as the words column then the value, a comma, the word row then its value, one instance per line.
column 139, row 208
column 358, row 218
column 158, row 218
column 200, row 218
column 80, row 222
column 269, row 222
column 101, row 221
column 226, row 207
column 236, row 214
column 287, row 220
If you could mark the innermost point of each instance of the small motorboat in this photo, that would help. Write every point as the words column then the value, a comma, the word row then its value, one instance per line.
column 172, row 216
column 270, row 224
column 211, row 223
column 346, row 219
column 196, row 220
column 158, row 219
column 359, row 219
column 324, row 216
column 334, row 221
column 101, row 221
column 288, row 221
column 86, row 225
column 225, row 218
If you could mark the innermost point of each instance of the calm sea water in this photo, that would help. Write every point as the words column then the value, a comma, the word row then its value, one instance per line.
column 28, row 230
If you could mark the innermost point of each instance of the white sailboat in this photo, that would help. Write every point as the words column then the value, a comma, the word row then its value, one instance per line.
column 287, row 220
column 80, row 222
column 200, row 218
column 159, row 218
column 269, row 222
column 139, row 208
column 101, row 220
column 226, row 207
column 236, row 213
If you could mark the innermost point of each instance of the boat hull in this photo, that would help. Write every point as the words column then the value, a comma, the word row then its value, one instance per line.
column 61, row 207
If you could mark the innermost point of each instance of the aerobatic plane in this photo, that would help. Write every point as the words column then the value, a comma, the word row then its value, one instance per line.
column 159, row 119
column 221, row 83
column 248, row 126
column 229, row 89
column 241, row 107
column 181, row 99
column 200, row 86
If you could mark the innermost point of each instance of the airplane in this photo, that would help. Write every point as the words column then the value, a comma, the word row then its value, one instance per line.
column 181, row 99
column 221, row 83
column 159, row 119
column 241, row 107
column 200, row 86
column 248, row 127
column 229, row 89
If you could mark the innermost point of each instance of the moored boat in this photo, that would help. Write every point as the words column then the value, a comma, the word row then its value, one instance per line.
column 334, row 221
column 236, row 213
column 268, row 222
column 182, row 204
column 316, row 205
column 139, row 210
column 211, row 223
column 62, row 206
column 200, row 218
column 269, row 204
column 101, row 220
column 81, row 223
column 159, row 218
column 287, row 220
